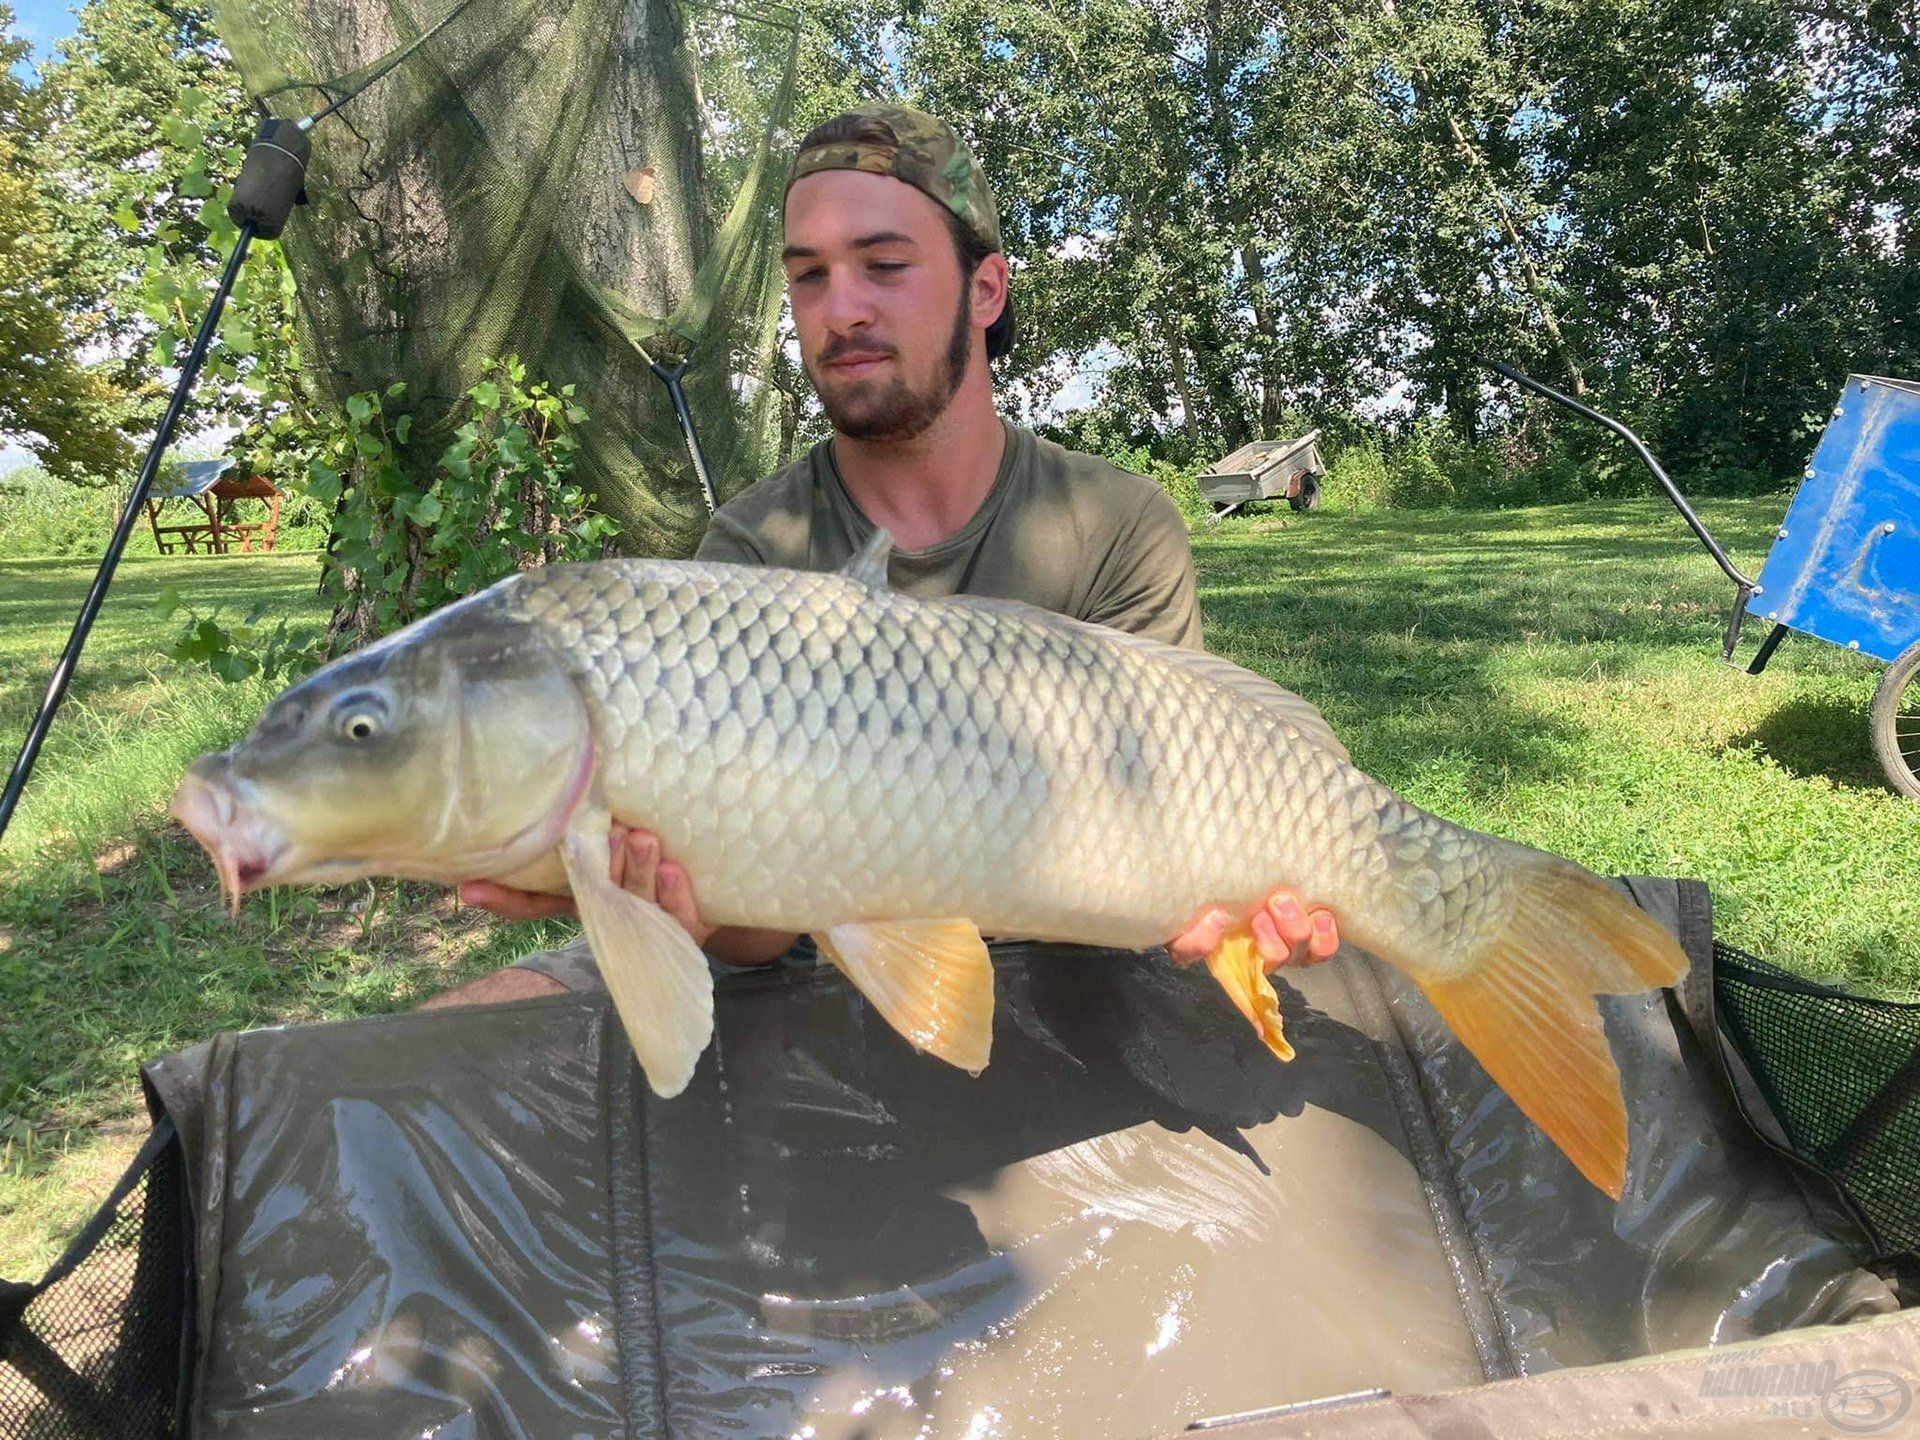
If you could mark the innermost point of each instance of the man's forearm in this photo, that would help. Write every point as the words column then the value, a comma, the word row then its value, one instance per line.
column 744, row 945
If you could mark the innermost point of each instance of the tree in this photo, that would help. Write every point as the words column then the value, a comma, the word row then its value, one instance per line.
column 46, row 397
column 138, row 102
column 1194, row 188
column 1702, row 209
column 1719, row 269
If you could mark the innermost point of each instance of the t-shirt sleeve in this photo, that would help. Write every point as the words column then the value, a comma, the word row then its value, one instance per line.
column 1146, row 587
column 727, row 539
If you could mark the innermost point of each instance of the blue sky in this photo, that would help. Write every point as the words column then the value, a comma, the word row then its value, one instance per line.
column 42, row 22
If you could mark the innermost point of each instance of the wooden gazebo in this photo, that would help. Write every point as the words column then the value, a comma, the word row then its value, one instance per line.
column 219, row 525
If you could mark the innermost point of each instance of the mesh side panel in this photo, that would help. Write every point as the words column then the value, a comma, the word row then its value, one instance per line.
column 97, row 1348
column 1842, row 1073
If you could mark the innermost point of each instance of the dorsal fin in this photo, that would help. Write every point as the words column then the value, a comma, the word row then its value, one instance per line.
column 869, row 566
column 1301, row 713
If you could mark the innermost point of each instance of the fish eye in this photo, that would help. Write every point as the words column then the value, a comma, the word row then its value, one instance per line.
column 359, row 717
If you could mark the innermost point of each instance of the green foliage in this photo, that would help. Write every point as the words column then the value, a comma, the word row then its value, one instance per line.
column 240, row 651
column 1179, row 481
column 1433, row 466
column 501, row 496
column 146, row 119
column 253, row 373
column 1548, row 459
column 407, row 532
column 45, row 393
column 42, row 515
column 1356, row 478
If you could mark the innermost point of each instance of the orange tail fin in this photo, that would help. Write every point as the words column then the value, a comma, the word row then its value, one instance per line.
column 1524, row 1005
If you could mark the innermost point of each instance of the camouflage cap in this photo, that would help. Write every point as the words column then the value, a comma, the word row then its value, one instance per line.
column 911, row 145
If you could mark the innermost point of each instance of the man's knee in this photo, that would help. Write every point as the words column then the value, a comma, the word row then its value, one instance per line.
column 512, row 983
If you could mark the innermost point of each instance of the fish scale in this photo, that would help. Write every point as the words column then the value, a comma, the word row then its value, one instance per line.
column 979, row 777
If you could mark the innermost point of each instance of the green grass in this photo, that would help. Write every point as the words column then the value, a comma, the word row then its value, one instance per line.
column 1553, row 675
column 113, row 944
column 1550, row 675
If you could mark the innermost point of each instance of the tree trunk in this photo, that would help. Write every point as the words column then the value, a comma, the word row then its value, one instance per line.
column 1239, row 215
column 1182, row 386
column 641, row 224
column 462, row 201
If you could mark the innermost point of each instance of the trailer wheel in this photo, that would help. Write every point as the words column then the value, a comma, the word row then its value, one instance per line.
column 1308, row 495
column 1895, row 723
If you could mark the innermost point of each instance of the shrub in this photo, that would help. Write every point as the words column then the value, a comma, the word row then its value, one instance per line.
column 1356, row 477
column 1179, row 481
column 410, row 533
column 40, row 515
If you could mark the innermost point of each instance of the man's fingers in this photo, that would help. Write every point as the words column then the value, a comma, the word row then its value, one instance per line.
column 1274, row 947
column 676, row 892
column 643, row 865
column 1326, row 936
column 1289, row 919
column 1287, row 934
column 617, row 854
column 1201, row 938
column 514, row 904
column 676, row 898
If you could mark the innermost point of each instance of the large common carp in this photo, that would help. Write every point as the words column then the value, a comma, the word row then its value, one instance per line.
column 896, row 777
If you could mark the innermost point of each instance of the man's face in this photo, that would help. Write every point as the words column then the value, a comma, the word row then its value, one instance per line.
column 879, row 302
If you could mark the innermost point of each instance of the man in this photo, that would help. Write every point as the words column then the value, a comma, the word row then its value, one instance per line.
column 899, row 293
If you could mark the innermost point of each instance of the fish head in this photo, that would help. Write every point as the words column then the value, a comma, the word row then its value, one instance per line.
column 451, row 750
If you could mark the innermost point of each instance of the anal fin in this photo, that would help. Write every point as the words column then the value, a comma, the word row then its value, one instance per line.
column 932, row 980
column 1236, row 964
column 657, row 977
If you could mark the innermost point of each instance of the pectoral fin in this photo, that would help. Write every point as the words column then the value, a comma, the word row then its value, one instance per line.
column 931, row 979
column 1237, row 966
column 657, row 976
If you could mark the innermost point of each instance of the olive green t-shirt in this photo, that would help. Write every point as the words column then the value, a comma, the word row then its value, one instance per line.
column 1065, row 531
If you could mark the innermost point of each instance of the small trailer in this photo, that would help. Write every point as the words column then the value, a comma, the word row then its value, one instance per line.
column 1287, row 470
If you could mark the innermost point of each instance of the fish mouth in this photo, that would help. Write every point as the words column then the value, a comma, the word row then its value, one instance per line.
column 244, row 845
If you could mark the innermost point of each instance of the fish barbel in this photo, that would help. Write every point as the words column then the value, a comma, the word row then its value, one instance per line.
column 896, row 777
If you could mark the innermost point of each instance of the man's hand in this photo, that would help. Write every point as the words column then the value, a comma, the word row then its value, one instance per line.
column 638, row 867
column 1283, row 932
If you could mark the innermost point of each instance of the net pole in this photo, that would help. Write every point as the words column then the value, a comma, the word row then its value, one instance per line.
column 671, row 379
column 129, row 516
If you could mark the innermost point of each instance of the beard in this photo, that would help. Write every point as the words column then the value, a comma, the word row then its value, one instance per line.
column 899, row 411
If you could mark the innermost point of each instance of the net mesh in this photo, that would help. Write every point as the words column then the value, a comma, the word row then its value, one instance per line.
column 1842, row 1074
column 97, row 1348
column 588, row 184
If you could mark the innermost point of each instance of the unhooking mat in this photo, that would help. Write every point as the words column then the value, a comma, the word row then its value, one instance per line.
column 479, row 1223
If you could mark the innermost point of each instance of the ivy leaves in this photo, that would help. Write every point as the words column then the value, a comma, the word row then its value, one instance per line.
column 412, row 531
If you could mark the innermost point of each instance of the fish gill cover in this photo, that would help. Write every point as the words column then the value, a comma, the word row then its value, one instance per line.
column 588, row 184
